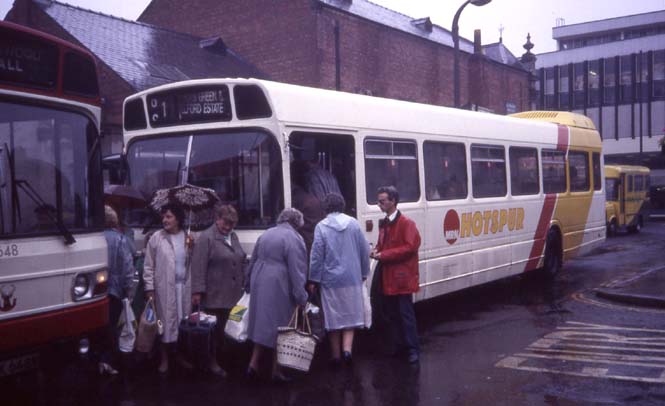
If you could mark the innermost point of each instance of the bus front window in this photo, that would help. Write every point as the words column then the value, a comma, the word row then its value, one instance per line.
column 611, row 189
column 47, row 180
column 244, row 168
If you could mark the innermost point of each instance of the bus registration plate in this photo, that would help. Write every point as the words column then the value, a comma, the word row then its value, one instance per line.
column 19, row 364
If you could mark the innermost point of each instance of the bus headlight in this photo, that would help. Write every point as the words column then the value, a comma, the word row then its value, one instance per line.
column 87, row 285
column 81, row 286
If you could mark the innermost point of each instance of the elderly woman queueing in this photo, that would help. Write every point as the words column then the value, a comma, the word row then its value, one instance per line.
column 166, row 278
column 218, row 270
column 339, row 263
column 276, row 284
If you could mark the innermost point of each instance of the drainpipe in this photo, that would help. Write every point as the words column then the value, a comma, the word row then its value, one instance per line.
column 338, row 74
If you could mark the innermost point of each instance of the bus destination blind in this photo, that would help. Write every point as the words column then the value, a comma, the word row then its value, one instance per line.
column 25, row 60
column 199, row 104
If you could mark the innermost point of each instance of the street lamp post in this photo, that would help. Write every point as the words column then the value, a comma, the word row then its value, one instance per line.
column 456, row 80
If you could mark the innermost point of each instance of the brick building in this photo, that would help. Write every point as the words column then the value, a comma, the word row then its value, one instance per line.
column 131, row 56
column 353, row 46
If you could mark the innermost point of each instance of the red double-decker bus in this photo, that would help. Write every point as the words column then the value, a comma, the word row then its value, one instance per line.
column 53, row 276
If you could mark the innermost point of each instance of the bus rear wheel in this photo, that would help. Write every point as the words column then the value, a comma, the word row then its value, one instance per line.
column 553, row 263
column 637, row 226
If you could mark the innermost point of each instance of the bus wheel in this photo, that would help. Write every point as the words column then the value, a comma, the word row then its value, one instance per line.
column 612, row 228
column 552, row 264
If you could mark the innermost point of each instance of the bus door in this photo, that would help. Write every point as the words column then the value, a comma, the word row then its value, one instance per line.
column 321, row 163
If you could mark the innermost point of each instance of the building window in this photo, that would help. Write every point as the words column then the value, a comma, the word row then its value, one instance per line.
column 609, row 81
column 593, row 77
column 578, row 86
column 659, row 73
column 564, row 82
column 626, row 79
column 550, row 101
column 642, row 76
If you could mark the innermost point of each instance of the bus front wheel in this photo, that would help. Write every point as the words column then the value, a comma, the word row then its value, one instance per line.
column 552, row 264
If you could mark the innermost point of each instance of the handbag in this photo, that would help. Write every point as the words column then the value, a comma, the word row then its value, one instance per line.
column 295, row 346
column 197, row 338
column 148, row 327
column 367, row 306
column 128, row 333
column 238, row 322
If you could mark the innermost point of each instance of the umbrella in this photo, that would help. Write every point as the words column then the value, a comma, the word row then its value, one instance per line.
column 198, row 202
column 122, row 196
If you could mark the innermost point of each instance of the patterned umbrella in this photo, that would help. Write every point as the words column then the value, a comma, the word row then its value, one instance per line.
column 197, row 202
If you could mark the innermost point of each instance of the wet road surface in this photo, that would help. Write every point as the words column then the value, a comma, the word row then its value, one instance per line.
column 521, row 341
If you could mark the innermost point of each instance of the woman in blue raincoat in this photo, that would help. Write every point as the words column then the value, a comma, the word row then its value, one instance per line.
column 339, row 263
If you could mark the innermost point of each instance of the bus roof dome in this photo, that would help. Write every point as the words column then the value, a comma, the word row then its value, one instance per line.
column 559, row 117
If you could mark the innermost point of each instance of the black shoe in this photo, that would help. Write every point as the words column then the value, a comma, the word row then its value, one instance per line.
column 217, row 371
column 252, row 375
column 346, row 356
column 413, row 357
column 281, row 378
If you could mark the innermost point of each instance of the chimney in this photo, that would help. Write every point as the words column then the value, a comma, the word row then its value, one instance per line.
column 477, row 43
column 213, row 44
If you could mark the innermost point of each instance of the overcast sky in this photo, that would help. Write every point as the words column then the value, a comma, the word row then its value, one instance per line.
column 517, row 17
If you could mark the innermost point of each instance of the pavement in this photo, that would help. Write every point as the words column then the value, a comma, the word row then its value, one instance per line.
column 644, row 289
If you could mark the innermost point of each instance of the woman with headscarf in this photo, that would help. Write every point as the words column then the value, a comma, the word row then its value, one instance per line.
column 339, row 263
column 276, row 275
column 167, row 281
column 218, row 271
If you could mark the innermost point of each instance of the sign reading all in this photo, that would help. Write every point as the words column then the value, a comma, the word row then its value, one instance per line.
column 25, row 60
column 197, row 104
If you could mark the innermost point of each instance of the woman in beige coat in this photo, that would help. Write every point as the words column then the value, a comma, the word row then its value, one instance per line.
column 167, row 281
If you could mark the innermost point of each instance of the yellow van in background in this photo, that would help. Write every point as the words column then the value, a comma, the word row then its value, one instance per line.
column 626, row 191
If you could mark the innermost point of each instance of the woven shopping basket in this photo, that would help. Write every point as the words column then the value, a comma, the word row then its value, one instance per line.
column 295, row 346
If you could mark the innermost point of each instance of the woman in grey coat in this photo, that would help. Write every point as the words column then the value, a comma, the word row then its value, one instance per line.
column 277, row 285
column 218, row 271
column 339, row 263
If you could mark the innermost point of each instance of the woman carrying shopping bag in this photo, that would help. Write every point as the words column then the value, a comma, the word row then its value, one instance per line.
column 276, row 284
column 121, row 274
column 218, row 271
column 167, row 281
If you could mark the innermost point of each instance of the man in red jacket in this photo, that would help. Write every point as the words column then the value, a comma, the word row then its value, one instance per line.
column 397, row 253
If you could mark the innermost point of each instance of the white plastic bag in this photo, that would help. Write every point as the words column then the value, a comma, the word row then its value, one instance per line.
column 238, row 322
column 128, row 333
column 367, row 306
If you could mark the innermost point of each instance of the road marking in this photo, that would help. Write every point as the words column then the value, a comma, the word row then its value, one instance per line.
column 595, row 350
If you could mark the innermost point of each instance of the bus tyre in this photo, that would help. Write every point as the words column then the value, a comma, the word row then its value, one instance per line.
column 612, row 228
column 552, row 264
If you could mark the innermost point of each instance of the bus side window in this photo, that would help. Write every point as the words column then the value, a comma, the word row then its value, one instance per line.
column 554, row 170
column 579, row 171
column 630, row 188
column 488, row 170
column 524, row 178
column 596, row 171
column 445, row 170
column 391, row 162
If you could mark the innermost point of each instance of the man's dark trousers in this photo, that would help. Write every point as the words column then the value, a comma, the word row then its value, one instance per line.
column 399, row 310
